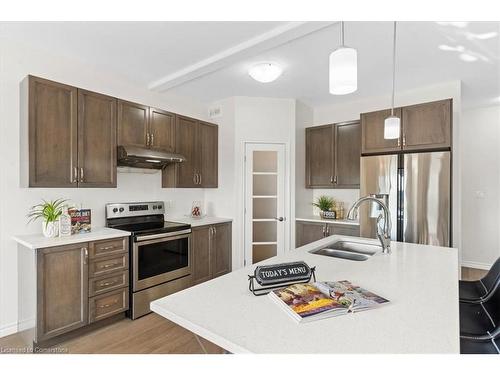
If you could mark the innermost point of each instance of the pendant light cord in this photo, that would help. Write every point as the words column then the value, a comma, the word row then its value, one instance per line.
column 393, row 68
column 342, row 33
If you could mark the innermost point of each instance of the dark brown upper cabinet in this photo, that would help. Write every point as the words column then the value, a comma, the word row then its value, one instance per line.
column 140, row 125
column 133, row 121
column 161, row 130
column 320, row 163
column 53, row 136
column 425, row 126
column 332, row 155
column 96, row 140
column 197, row 141
column 372, row 128
column 72, row 136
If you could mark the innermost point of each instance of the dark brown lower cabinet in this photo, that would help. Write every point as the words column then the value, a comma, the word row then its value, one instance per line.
column 69, row 296
column 310, row 231
column 211, row 251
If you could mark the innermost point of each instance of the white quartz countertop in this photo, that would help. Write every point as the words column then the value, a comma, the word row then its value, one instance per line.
column 207, row 220
column 317, row 219
column 420, row 281
column 38, row 241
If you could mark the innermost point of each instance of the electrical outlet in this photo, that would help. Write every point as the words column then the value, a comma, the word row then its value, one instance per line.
column 169, row 205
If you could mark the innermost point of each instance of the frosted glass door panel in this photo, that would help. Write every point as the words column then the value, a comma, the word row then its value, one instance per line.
column 264, row 231
column 262, row 252
column 264, row 184
column 265, row 161
column 264, row 208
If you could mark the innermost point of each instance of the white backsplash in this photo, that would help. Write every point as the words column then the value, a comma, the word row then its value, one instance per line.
column 348, row 196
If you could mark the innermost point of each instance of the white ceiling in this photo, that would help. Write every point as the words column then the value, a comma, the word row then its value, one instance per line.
column 149, row 51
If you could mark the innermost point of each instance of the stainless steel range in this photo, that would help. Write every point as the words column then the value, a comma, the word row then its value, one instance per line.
column 160, row 250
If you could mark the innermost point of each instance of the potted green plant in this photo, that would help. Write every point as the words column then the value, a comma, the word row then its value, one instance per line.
column 325, row 204
column 49, row 212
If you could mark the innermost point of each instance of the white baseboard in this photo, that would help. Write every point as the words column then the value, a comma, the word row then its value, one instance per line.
column 477, row 265
column 8, row 329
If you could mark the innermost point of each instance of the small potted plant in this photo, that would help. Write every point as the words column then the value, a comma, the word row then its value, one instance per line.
column 325, row 205
column 49, row 212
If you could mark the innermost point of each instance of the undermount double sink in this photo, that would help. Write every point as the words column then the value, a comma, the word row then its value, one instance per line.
column 358, row 250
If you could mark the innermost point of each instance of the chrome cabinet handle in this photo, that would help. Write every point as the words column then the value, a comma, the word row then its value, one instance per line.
column 399, row 142
column 109, row 304
column 108, row 283
column 148, row 139
column 335, row 179
column 108, row 265
column 86, row 255
column 199, row 176
column 75, row 175
column 108, row 247
column 152, row 139
column 81, row 174
column 404, row 139
column 194, row 179
column 331, row 179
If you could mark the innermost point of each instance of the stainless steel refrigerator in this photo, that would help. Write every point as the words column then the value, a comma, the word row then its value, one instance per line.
column 417, row 189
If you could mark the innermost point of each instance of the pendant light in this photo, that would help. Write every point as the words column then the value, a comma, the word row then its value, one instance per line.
column 392, row 124
column 343, row 68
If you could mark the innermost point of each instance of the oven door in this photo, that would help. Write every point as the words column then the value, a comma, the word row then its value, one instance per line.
column 160, row 258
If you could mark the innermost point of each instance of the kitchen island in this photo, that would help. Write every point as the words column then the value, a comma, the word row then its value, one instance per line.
column 420, row 281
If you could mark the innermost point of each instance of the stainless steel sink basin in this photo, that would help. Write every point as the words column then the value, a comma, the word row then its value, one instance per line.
column 348, row 249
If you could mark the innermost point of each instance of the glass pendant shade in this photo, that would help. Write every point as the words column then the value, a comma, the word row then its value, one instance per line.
column 343, row 71
column 392, row 125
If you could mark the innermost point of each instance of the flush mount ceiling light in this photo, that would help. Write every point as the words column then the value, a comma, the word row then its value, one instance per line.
column 343, row 68
column 265, row 72
column 392, row 124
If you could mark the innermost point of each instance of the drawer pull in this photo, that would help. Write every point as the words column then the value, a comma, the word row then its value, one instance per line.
column 108, row 247
column 108, row 283
column 110, row 265
column 109, row 304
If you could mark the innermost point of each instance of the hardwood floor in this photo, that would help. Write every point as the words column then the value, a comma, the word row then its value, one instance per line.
column 472, row 273
column 149, row 334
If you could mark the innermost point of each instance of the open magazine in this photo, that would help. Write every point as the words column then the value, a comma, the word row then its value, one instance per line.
column 318, row 300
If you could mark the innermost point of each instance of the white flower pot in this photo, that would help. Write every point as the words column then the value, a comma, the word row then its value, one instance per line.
column 50, row 229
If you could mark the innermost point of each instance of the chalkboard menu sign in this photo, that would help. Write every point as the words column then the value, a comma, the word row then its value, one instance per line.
column 277, row 275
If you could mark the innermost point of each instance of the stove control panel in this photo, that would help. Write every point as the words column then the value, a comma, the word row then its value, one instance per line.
column 116, row 210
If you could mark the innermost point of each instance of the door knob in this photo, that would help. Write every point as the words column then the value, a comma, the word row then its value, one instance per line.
column 281, row 218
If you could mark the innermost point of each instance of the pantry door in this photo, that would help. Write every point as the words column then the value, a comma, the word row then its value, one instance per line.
column 265, row 220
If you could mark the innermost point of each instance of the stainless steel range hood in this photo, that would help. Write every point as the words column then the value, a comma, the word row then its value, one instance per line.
column 142, row 157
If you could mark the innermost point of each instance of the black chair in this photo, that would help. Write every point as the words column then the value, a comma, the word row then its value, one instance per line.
column 480, row 324
column 469, row 291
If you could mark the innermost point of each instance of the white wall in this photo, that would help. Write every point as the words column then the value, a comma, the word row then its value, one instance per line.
column 248, row 119
column 17, row 61
column 480, row 159
column 350, row 111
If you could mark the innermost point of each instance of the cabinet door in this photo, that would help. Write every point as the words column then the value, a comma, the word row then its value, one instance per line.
column 96, row 140
column 162, row 130
column 201, row 238
column 347, row 155
column 372, row 133
column 319, row 156
column 208, row 154
column 185, row 141
column 427, row 126
column 132, row 123
column 343, row 230
column 221, row 249
column 307, row 232
column 52, row 134
column 62, row 290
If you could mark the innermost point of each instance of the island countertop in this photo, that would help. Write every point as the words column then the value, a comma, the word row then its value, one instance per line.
column 420, row 281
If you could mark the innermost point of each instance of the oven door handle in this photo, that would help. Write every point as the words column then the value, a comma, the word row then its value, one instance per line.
column 161, row 235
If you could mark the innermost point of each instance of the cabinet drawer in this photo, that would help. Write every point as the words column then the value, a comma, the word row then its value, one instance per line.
column 103, row 284
column 108, row 265
column 108, row 304
column 108, row 247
